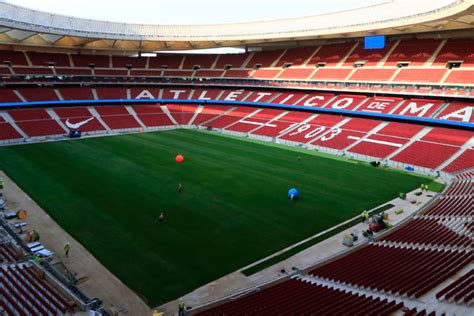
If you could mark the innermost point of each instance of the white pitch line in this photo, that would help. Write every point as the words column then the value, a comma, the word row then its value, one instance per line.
column 375, row 141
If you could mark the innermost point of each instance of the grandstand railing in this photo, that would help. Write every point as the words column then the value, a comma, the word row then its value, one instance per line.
column 387, row 117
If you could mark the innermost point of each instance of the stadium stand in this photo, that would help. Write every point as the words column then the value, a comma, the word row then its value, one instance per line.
column 152, row 115
column 76, row 93
column 417, row 52
column 79, row 115
column 231, row 60
column 422, row 269
column 117, row 117
column 38, row 94
column 456, row 50
column 370, row 57
column 165, row 62
column 459, row 291
column 424, row 154
column 311, row 298
column 47, row 59
column 462, row 162
column 330, row 55
column 418, row 75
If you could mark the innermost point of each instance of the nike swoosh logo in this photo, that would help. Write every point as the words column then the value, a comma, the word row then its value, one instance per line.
column 78, row 124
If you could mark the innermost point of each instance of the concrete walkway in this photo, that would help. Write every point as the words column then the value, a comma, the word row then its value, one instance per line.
column 237, row 282
column 97, row 281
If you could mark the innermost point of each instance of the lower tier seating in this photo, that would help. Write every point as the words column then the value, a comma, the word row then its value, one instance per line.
column 424, row 154
column 369, row 137
column 298, row 297
column 24, row 292
column 396, row 270
column 460, row 291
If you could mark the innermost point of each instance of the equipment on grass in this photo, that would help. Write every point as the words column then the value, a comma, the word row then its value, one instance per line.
column 179, row 158
column 293, row 194
column 21, row 214
column 75, row 134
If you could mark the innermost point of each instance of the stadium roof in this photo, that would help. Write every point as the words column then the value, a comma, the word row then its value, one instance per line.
column 21, row 26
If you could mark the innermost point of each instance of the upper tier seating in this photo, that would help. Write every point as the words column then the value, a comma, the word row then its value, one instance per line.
column 265, row 58
column 302, row 62
column 417, row 52
column 102, row 61
column 456, row 50
column 371, row 57
column 331, row 74
column 233, row 60
column 76, row 93
column 296, row 73
column 46, row 59
column 168, row 61
column 111, row 93
column 372, row 74
column 8, row 95
column 420, row 75
column 296, row 56
column 13, row 57
column 38, row 94
column 460, row 76
column 200, row 60
column 331, row 54
column 123, row 61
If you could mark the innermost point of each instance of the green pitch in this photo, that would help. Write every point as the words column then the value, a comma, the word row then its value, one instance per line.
column 108, row 193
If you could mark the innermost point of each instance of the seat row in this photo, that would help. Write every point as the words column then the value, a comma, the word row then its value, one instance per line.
column 25, row 293
column 298, row 297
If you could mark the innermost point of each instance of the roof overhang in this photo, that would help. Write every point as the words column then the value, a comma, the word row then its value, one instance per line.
column 22, row 27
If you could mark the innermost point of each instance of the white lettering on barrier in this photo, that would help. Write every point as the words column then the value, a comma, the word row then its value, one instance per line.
column 232, row 96
column 176, row 93
column 315, row 132
column 287, row 98
column 310, row 100
column 464, row 114
column 203, row 96
column 345, row 103
column 333, row 133
column 413, row 108
column 260, row 95
column 378, row 106
column 145, row 94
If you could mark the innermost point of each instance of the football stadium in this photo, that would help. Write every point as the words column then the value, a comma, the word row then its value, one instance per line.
column 318, row 164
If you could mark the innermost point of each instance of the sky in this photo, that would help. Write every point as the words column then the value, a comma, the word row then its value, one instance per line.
column 190, row 11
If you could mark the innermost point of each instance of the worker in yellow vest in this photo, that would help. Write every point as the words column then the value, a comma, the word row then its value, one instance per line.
column 181, row 306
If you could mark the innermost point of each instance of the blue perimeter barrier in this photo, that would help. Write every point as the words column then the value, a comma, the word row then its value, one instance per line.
column 389, row 117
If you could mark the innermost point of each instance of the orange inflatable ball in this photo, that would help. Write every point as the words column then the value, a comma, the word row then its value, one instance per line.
column 179, row 159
